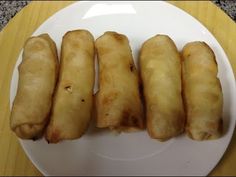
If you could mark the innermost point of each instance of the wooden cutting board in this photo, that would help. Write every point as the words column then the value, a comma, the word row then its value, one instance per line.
column 13, row 160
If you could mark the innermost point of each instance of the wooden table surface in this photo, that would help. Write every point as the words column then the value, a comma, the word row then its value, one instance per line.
column 13, row 160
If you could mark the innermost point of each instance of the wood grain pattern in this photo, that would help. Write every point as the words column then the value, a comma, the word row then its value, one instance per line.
column 13, row 160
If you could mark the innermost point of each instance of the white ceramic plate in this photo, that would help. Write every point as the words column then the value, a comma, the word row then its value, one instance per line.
column 105, row 153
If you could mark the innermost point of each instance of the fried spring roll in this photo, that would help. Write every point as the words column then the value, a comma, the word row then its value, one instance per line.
column 37, row 80
column 72, row 105
column 202, row 92
column 160, row 66
column 118, row 102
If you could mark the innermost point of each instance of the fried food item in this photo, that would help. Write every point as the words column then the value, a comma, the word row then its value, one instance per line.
column 72, row 105
column 118, row 102
column 160, row 66
column 37, row 80
column 203, row 96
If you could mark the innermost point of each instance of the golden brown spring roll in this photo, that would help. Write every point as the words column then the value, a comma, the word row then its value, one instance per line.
column 118, row 102
column 202, row 92
column 37, row 80
column 72, row 105
column 160, row 66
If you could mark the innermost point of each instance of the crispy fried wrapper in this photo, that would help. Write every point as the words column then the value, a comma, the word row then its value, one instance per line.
column 160, row 66
column 203, row 96
column 72, row 104
column 37, row 80
column 118, row 102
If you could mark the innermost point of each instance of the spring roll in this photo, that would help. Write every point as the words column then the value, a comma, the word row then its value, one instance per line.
column 160, row 66
column 37, row 80
column 202, row 92
column 72, row 105
column 118, row 102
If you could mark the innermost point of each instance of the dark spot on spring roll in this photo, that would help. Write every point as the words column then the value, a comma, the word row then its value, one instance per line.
column 131, row 67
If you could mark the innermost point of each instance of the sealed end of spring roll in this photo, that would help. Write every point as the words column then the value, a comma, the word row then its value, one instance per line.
column 202, row 92
column 118, row 102
column 160, row 66
column 72, row 104
column 37, row 80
